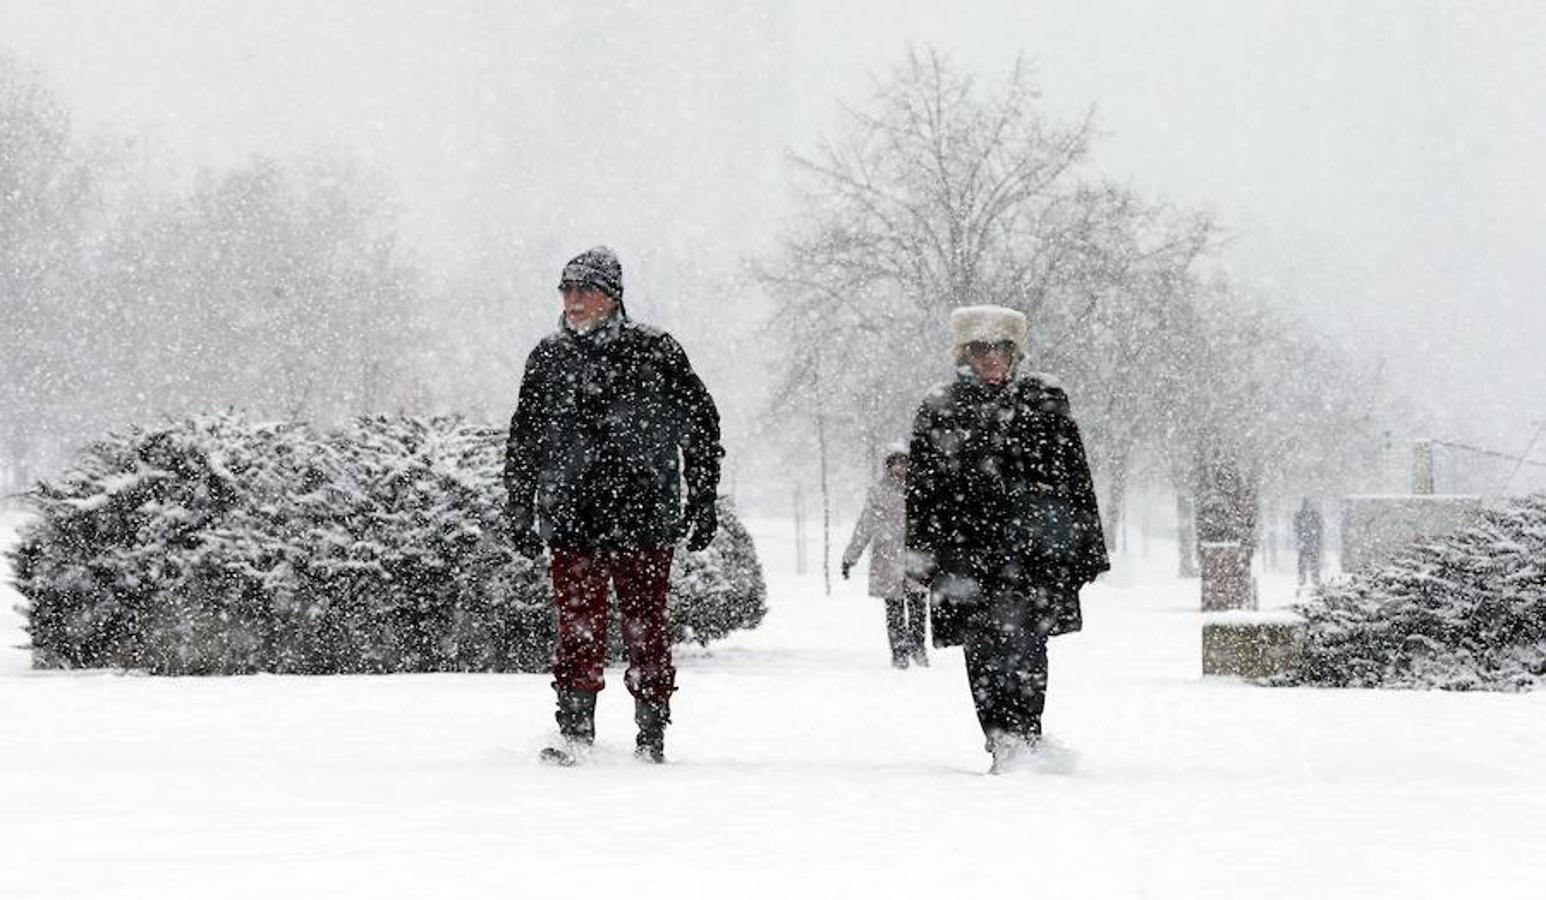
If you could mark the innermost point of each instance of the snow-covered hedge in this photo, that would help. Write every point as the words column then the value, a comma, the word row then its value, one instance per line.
column 1466, row 611
column 218, row 545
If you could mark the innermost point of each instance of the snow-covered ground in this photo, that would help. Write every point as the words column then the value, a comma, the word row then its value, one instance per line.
column 802, row 765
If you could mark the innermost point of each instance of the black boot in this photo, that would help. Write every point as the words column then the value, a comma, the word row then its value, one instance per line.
column 576, row 717
column 1011, row 749
column 652, row 719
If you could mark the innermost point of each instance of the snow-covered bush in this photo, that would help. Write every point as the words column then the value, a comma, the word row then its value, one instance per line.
column 719, row 590
column 217, row 545
column 1465, row 611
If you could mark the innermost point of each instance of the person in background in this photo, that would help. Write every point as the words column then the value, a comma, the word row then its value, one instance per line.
column 882, row 527
column 1308, row 530
column 591, row 470
column 1002, row 523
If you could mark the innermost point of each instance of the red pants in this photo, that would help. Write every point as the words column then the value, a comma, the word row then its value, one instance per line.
column 580, row 581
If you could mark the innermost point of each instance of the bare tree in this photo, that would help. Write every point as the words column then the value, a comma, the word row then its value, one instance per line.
column 275, row 288
column 932, row 198
column 46, row 191
column 938, row 193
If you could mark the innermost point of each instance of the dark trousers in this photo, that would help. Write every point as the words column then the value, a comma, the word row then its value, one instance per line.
column 580, row 582
column 1310, row 566
column 1006, row 662
column 906, row 614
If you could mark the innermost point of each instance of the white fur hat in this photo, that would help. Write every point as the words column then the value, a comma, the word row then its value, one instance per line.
column 987, row 324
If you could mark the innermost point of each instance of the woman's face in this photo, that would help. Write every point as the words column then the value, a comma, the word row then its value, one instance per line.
column 992, row 362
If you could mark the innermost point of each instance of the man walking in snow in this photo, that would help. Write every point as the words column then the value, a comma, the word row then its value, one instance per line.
column 1002, row 523
column 882, row 527
column 607, row 408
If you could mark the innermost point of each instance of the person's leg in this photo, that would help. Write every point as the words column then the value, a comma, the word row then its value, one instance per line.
column 579, row 656
column 1028, row 680
column 984, row 651
column 917, row 622
column 896, row 630
column 643, row 579
column 1006, row 665
column 580, row 596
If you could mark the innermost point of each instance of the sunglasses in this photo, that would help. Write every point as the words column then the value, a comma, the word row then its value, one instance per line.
column 979, row 349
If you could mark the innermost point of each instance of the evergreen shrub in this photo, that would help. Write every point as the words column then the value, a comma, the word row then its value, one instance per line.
column 221, row 546
column 1463, row 611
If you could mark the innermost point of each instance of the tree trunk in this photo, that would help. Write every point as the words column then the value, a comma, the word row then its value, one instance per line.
column 1116, row 504
column 826, row 507
column 18, row 450
column 1186, row 535
column 799, row 531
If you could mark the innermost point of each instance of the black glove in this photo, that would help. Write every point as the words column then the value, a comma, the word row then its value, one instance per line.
column 526, row 542
column 523, row 537
column 702, row 522
column 846, row 566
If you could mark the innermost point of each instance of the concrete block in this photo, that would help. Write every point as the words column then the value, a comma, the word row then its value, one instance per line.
column 1250, row 645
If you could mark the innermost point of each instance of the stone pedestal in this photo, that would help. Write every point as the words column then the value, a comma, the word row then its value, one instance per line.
column 1226, row 576
column 1249, row 645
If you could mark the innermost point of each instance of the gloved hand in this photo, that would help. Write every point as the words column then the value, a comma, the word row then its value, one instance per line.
column 702, row 522
column 526, row 542
column 846, row 566
column 523, row 536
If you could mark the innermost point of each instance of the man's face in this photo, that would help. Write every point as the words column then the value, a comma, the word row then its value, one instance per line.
column 992, row 362
column 586, row 306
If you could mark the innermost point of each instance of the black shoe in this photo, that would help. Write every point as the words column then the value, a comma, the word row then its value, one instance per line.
column 1012, row 753
column 652, row 719
column 564, row 754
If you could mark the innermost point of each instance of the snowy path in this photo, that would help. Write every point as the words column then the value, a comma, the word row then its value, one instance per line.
column 802, row 766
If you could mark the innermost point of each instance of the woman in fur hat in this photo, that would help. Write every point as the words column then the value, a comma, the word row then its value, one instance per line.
column 1002, row 523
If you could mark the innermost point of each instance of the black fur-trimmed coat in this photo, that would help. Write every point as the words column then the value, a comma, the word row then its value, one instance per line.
column 1000, row 498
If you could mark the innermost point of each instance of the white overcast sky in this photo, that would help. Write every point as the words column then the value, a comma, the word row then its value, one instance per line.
column 1375, row 163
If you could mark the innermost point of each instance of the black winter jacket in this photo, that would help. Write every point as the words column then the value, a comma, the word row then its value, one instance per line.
column 1000, row 498
column 592, row 457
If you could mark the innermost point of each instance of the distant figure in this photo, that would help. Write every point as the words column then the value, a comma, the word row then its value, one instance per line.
column 1308, row 527
column 883, row 527
column 1002, row 523
column 607, row 408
